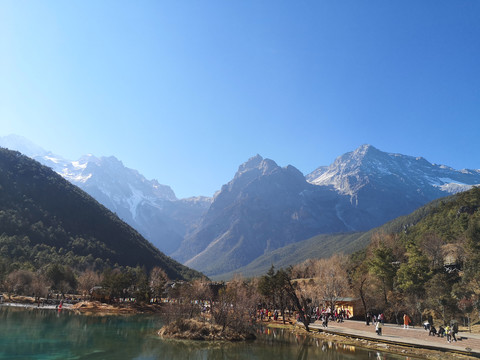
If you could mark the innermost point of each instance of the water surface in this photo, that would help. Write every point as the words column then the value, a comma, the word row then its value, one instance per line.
column 49, row 334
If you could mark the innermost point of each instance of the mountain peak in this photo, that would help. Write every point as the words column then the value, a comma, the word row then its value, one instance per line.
column 267, row 165
column 366, row 150
column 251, row 163
column 257, row 163
column 365, row 156
column 88, row 158
column 362, row 149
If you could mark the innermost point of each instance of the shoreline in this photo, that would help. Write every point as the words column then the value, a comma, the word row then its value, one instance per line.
column 346, row 336
column 88, row 307
column 35, row 306
column 369, row 341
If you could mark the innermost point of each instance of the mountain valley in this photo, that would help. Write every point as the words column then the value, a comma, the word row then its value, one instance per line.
column 264, row 207
column 45, row 220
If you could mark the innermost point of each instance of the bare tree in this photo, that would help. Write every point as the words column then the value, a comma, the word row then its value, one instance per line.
column 236, row 305
column 158, row 279
column 199, row 292
column 432, row 247
column 87, row 280
column 40, row 285
column 64, row 287
column 20, row 282
column 332, row 279
column 298, row 297
column 303, row 270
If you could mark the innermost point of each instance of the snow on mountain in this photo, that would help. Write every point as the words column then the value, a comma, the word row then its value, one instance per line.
column 354, row 170
column 127, row 187
column 148, row 206
column 264, row 206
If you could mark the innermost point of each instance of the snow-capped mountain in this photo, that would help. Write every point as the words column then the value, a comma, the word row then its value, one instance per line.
column 354, row 170
column 148, row 206
column 382, row 186
column 264, row 206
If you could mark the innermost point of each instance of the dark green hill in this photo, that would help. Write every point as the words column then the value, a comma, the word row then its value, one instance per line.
column 447, row 217
column 45, row 219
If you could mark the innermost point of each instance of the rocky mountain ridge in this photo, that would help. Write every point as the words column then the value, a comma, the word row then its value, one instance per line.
column 367, row 162
column 265, row 206
column 146, row 205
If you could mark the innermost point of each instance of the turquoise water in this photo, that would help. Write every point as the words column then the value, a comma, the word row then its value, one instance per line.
column 49, row 334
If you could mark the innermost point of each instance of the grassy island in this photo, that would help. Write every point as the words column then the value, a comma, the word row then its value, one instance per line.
column 195, row 329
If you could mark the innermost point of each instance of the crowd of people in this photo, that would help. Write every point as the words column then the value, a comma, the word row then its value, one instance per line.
column 267, row 315
column 448, row 331
column 315, row 314
column 325, row 315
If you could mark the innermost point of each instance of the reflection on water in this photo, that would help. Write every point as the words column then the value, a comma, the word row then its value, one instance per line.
column 48, row 334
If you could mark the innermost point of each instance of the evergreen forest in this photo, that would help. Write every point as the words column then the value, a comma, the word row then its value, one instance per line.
column 51, row 228
column 426, row 264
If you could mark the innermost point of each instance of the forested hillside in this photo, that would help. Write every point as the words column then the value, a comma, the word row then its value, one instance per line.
column 45, row 220
column 428, row 264
column 325, row 245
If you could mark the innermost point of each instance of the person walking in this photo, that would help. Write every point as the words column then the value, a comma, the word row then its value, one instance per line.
column 406, row 321
column 367, row 318
column 454, row 331
column 448, row 331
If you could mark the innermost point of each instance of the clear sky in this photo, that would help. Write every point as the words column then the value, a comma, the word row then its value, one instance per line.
column 186, row 91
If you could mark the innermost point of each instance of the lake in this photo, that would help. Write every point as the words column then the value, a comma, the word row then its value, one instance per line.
column 49, row 334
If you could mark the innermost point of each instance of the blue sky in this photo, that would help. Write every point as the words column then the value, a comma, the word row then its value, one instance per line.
column 186, row 91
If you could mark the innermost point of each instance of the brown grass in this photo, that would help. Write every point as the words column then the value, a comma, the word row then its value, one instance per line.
column 96, row 307
column 193, row 329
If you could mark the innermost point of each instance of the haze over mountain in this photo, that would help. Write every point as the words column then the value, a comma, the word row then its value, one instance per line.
column 44, row 219
column 265, row 206
column 151, row 208
column 447, row 218
column 262, row 208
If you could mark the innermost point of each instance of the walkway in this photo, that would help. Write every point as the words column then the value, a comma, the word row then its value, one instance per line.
column 467, row 343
